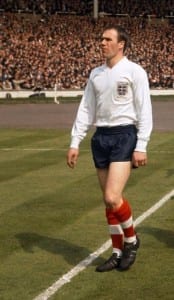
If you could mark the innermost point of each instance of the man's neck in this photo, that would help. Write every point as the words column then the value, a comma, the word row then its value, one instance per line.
column 113, row 61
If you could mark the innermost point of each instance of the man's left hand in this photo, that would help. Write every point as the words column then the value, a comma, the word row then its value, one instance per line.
column 139, row 159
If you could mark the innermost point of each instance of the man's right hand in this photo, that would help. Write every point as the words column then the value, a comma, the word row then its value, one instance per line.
column 72, row 157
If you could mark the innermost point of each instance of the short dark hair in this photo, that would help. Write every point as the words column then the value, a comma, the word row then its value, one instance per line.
column 122, row 35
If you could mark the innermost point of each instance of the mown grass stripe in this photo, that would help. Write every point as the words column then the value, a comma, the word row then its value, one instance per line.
column 87, row 261
column 65, row 149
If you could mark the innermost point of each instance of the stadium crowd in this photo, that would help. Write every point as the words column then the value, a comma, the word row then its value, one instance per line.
column 38, row 51
column 83, row 7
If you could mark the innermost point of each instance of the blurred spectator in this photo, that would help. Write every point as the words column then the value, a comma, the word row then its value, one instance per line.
column 38, row 51
column 84, row 7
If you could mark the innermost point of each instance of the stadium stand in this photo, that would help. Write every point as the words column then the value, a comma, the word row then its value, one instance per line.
column 48, row 42
column 131, row 7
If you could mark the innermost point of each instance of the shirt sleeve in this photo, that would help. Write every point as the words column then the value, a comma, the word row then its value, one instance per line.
column 143, row 109
column 85, row 116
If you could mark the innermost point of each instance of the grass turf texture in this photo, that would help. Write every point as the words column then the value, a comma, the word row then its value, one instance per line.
column 53, row 217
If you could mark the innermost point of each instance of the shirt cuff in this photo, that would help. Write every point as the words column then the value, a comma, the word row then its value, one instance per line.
column 75, row 143
column 141, row 146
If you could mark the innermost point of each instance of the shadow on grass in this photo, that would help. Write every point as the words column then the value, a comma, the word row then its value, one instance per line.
column 72, row 253
column 163, row 235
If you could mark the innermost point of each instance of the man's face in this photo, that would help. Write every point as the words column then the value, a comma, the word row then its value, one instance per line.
column 110, row 45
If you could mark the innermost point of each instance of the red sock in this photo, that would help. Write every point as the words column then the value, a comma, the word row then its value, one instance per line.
column 124, row 215
column 115, row 231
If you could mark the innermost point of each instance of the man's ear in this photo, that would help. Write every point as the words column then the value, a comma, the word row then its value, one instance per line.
column 121, row 44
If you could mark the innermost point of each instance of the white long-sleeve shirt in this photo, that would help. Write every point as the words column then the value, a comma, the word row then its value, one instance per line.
column 115, row 96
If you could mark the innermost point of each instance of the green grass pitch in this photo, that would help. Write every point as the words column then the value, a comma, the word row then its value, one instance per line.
column 53, row 217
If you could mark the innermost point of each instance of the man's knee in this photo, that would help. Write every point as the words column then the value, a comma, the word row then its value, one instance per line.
column 112, row 200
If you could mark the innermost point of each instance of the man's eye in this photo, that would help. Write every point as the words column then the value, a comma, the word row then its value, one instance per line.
column 106, row 39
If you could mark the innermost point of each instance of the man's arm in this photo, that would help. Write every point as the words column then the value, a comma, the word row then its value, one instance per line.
column 85, row 116
column 144, row 116
column 84, row 119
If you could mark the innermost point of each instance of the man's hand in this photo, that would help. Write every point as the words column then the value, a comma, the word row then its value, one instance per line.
column 139, row 159
column 72, row 157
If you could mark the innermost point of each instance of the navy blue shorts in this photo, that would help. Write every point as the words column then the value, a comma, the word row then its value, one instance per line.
column 113, row 144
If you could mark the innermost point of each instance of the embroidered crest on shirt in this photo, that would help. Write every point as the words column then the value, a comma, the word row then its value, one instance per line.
column 122, row 88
